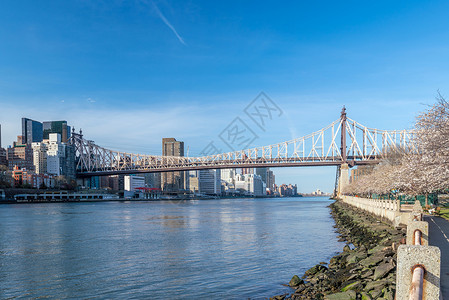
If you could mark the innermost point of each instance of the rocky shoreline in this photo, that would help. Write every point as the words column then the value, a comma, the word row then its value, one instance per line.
column 366, row 269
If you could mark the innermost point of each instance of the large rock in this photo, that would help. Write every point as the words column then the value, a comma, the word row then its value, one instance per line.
column 372, row 260
column 375, row 293
column 352, row 286
column 382, row 270
column 348, row 295
column 295, row 281
column 375, row 285
column 388, row 294
column 300, row 288
column 367, row 273
column 366, row 296
column 376, row 249
column 356, row 257
column 314, row 270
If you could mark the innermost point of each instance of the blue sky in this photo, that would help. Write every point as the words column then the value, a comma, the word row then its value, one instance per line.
column 132, row 72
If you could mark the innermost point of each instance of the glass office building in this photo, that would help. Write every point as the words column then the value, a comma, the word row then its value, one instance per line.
column 31, row 131
column 57, row 127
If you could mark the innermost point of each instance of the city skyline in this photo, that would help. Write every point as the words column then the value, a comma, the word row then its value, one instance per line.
column 308, row 171
column 132, row 73
column 40, row 159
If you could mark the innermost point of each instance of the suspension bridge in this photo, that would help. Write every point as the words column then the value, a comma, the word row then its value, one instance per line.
column 343, row 143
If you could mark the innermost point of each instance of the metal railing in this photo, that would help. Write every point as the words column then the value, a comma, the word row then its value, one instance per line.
column 418, row 264
column 416, row 291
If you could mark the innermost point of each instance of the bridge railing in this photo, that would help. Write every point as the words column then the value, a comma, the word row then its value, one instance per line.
column 323, row 147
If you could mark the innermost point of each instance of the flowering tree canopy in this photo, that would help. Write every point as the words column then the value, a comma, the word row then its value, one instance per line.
column 414, row 173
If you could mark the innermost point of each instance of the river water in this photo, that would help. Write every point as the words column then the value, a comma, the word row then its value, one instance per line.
column 208, row 249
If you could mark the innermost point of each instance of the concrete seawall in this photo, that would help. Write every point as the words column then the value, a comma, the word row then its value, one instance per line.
column 415, row 255
column 365, row 269
column 385, row 209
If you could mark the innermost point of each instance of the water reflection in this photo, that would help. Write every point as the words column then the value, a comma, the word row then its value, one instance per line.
column 177, row 249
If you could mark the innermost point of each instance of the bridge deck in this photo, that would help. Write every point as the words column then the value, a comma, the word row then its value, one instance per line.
column 224, row 166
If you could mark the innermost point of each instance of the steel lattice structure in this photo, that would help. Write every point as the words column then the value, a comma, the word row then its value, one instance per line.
column 343, row 141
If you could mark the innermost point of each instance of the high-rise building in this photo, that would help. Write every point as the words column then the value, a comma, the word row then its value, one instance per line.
column 55, row 155
column 133, row 182
column 247, row 171
column 172, row 181
column 109, row 182
column 56, row 127
column 250, row 183
column 113, row 182
column 70, row 161
column 287, row 190
column 228, row 175
column 94, row 182
column 20, row 155
column 51, row 156
column 31, row 131
column 262, row 172
column 194, row 185
column 228, row 180
column 271, row 181
column 40, row 157
column 3, row 160
column 153, row 180
column 209, row 182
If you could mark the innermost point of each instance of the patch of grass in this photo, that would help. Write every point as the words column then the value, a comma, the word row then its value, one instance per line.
column 444, row 212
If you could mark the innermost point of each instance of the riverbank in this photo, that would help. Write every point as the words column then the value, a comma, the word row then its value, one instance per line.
column 366, row 269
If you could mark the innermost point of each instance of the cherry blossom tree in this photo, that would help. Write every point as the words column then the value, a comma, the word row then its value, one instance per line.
column 418, row 172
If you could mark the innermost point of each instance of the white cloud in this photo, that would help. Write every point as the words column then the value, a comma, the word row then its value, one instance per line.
column 169, row 25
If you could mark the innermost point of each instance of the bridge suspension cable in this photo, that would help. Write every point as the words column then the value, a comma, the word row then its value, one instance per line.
column 361, row 145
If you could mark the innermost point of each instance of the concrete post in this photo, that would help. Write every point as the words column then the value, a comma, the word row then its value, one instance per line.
column 410, row 257
column 418, row 225
column 417, row 213
column 344, row 179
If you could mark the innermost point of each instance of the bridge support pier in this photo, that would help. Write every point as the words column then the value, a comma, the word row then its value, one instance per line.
column 343, row 179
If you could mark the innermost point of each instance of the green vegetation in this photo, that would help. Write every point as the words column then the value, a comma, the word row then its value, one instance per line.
column 444, row 212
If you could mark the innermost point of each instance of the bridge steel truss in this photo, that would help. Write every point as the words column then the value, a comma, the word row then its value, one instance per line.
column 343, row 141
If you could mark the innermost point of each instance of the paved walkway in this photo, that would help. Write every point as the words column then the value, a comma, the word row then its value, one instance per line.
column 439, row 236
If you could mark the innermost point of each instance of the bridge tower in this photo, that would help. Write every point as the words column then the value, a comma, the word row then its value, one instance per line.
column 75, row 140
column 343, row 178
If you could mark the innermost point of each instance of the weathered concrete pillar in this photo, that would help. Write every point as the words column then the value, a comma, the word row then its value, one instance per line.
column 410, row 257
column 344, row 179
column 422, row 226
column 417, row 213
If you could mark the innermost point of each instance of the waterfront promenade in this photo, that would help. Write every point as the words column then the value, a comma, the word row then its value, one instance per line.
column 438, row 229
column 439, row 236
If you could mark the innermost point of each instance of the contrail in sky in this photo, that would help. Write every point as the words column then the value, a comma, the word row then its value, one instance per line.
column 164, row 19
